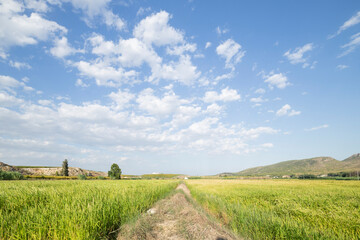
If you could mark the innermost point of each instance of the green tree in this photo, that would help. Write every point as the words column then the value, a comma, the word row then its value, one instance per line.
column 115, row 172
column 65, row 168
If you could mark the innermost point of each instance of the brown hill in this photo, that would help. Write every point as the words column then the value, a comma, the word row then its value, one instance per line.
column 49, row 171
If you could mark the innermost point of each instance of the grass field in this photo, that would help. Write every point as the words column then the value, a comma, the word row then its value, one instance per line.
column 283, row 209
column 74, row 209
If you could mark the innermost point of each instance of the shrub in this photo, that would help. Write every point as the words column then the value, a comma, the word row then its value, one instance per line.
column 10, row 175
column 101, row 177
column 82, row 177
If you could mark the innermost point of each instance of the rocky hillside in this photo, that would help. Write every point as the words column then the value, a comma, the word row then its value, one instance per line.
column 317, row 165
column 49, row 171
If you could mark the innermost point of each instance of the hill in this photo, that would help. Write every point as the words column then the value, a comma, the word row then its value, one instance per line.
column 317, row 166
column 49, row 171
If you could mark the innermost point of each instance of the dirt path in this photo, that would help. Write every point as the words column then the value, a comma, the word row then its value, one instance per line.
column 174, row 218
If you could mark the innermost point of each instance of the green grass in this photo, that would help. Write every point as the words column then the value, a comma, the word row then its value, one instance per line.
column 160, row 175
column 283, row 209
column 74, row 209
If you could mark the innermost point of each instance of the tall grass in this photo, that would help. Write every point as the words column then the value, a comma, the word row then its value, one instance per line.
column 283, row 209
column 73, row 209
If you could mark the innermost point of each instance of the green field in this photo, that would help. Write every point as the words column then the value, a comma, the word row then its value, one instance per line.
column 74, row 209
column 283, row 209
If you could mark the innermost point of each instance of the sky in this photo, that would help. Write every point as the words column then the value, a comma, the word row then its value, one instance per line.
column 193, row 87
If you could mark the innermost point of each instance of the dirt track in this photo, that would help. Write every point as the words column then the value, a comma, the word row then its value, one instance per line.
column 175, row 218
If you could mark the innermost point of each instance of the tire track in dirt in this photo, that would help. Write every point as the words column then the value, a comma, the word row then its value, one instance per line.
column 175, row 218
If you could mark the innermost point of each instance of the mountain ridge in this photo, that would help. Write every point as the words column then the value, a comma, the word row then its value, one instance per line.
column 316, row 165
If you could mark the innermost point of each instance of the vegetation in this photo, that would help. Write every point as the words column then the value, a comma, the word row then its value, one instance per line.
column 82, row 177
column 10, row 175
column 74, row 209
column 65, row 168
column 283, row 209
column 315, row 166
column 115, row 172
column 159, row 175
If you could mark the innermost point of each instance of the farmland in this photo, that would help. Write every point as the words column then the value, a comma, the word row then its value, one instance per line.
column 74, row 209
column 283, row 209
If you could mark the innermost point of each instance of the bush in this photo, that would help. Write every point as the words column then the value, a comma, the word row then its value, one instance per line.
column 101, row 177
column 10, row 175
column 82, row 177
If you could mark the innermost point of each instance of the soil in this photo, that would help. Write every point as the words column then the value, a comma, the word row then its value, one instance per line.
column 175, row 218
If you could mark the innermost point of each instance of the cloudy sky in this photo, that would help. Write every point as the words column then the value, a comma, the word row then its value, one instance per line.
column 194, row 87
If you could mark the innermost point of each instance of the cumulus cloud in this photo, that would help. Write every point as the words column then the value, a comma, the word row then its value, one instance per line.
column 278, row 80
column 19, row 29
column 207, row 45
column 155, row 30
column 158, row 106
column 297, row 56
column 62, row 48
column 19, row 65
column 260, row 91
column 231, row 51
column 104, row 74
column 10, row 84
column 98, row 8
column 227, row 94
column 287, row 111
column 182, row 71
column 317, row 128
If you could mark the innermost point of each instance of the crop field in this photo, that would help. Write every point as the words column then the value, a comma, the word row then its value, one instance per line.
column 74, row 209
column 283, row 209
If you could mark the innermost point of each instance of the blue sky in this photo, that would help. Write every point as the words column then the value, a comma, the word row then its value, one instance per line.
column 194, row 87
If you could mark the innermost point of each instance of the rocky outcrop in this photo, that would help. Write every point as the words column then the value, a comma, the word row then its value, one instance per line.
column 50, row 171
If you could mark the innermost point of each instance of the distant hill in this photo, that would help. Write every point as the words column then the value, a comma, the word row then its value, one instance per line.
column 49, row 171
column 317, row 165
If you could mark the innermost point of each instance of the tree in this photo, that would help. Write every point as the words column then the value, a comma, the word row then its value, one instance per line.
column 65, row 168
column 115, row 172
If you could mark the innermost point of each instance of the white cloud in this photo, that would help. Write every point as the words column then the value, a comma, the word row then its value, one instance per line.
column 121, row 98
column 19, row 65
column 19, row 29
column 80, row 83
column 207, row 45
column 98, row 8
column 104, row 74
column 224, row 76
column 317, row 128
column 142, row 11
column 352, row 45
column 226, row 95
column 287, row 111
column 342, row 66
column 7, row 100
column 62, row 48
column 179, row 50
column 221, row 31
column 155, row 30
column 258, row 100
column 278, row 80
column 182, row 71
column 231, row 51
column 297, row 56
column 158, row 106
column 214, row 109
column 134, row 52
column 349, row 23
column 260, row 91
